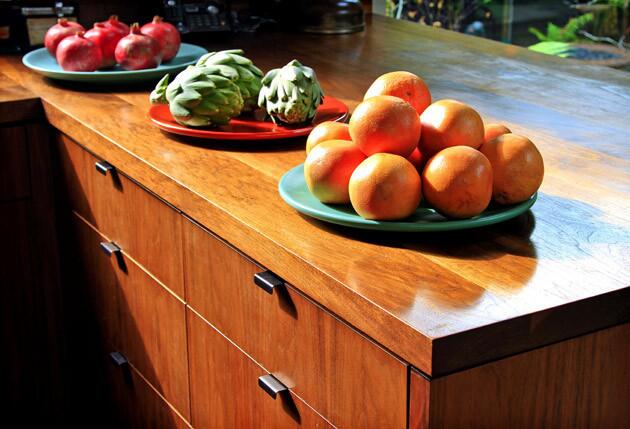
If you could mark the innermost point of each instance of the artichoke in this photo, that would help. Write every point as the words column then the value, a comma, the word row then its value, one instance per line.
column 198, row 97
column 233, row 65
column 291, row 94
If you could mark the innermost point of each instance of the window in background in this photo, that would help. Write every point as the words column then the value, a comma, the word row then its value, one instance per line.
column 597, row 31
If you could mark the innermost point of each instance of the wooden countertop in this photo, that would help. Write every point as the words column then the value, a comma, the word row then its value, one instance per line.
column 440, row 301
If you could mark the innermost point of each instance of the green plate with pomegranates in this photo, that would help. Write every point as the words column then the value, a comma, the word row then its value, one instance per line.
column 42, row 62
column 294, row 192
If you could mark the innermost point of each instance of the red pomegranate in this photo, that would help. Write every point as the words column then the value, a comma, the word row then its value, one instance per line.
column 166, row 34
column 62, row 29
column 106, row 38
column 113, row 22
column 137, row 51
column 76, row 53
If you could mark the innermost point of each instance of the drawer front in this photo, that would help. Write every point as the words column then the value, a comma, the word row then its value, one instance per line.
column 14, row 164
column 225, row 391
column 137, row 316
column 346, row 377
column 147, row 228
column 137, row 404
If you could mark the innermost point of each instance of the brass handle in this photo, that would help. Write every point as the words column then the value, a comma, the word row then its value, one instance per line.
column 268, row 281
column 103, row 167
column 271, row 385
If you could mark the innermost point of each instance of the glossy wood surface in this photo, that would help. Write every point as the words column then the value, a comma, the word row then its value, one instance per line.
column 225, row 392
column 14, row 181
column 580, row 383
column 145, row 227
column 136, row 316
column 322, row 359
column 442, row 301
column 16, row 102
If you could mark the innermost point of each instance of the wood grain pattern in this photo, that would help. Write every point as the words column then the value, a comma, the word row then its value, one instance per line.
column 554, row 273
column 225, row 392
column 579, row 383
column 33, row 388
column 137, row 404
column 15, row 178
column 138, row 317
column 320, row 358
column 17, row 103
column 146, row 228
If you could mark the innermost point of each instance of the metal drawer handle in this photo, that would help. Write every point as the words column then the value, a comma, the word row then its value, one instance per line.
column 271, row 385
column 103, row 167
column 110, row 248
column 267, row 281
column 119, row 359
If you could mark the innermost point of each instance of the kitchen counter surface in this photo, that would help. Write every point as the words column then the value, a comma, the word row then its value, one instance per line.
column 443, row 301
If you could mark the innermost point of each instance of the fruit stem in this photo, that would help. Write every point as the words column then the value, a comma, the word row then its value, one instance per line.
column 63, row 22
column 157, row 19
column 135, row 28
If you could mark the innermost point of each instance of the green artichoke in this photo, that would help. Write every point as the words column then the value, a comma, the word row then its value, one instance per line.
column 233, row 65
column 291, row 94
column 199, row 97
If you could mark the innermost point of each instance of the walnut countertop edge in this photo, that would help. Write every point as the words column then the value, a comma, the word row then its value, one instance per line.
column 441, row 303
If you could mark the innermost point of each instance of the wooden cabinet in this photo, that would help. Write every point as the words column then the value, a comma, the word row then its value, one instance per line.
column 138, row 403
column 225, row 391
column 319, row 357
column 585, row 379
column 14, row 164
column 134, row 219
column 136, row 316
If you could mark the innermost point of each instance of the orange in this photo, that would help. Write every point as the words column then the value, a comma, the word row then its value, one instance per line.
column 417, row 159
column 328, row 130
column 492, row 131
column 385, row 187
column 457, row 182
column 385, row 124
column 328, row 168
column 403, row 85
column 517, row 165
column 448, row 123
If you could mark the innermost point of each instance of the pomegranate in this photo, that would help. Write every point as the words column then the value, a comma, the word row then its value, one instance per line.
column 137, row 51
column 76, row 53
column 114, row 23
column 62, row 29
column 106, row 38
column 166, row 34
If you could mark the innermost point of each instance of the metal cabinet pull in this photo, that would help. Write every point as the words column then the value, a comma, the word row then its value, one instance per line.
column 267, row 281
column 110, row 248
column 118, row 358
column 103, row 167
column 271, row 385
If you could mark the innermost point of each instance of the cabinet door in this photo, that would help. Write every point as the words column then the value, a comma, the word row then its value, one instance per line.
column 14, row 165
column 225, row 391
column 135, row 315
column 345, row 376
column 148, row 229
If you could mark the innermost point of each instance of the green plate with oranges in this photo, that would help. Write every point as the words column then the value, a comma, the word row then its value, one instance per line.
column 294, row 192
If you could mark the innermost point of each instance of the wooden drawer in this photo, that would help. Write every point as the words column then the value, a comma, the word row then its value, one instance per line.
column 14, row 164
column 225, row 391
column 136, row 316
column 137, row 404
column 148, row 229
column 346, row 377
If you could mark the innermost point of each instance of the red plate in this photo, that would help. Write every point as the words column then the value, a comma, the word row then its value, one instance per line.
column 250, row 127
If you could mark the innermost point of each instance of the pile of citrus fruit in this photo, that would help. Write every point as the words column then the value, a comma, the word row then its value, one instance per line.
column 400, row 148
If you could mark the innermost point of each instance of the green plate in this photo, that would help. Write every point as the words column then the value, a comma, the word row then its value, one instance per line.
column 295, row 193
column 42, row 62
